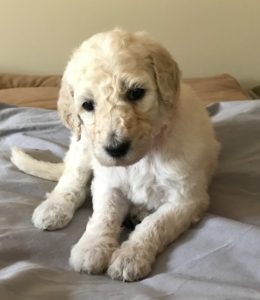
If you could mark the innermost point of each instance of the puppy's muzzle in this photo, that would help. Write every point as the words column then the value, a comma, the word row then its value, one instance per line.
column 117, row 149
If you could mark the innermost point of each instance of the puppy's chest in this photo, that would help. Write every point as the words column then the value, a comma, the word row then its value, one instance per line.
column 146, row 185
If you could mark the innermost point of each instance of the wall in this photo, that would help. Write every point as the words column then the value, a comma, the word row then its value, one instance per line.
column 207, row 37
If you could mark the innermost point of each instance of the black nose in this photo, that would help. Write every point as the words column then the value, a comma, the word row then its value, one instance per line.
column 118, row 149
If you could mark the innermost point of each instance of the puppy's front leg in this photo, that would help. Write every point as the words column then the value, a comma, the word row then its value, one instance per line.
column 133, row 260
column 70, row 192
column 93, row 251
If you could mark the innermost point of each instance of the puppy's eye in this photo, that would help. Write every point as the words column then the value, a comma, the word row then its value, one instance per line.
column 88, row 105
column 135, row 94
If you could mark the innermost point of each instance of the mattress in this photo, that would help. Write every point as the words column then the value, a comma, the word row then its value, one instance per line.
column 219, row 258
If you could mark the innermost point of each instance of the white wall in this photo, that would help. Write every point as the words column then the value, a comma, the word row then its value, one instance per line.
column 207, row 37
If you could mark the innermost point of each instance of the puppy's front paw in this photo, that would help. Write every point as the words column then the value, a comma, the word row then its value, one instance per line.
column 51, row 214
column 92, row 255
column 130, row 263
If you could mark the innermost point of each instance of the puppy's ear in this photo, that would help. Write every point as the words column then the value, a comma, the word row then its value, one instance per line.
column 67, row 109
column 167, row 74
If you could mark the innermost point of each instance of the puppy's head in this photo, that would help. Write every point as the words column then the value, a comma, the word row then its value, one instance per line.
column 118, row 90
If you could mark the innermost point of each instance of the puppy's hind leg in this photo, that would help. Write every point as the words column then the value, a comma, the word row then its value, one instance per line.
column 70, row 192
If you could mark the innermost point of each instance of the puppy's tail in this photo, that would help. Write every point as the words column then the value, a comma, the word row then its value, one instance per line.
column 38, row 168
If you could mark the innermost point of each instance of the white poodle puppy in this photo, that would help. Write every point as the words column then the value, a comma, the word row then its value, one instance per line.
column 148, row 143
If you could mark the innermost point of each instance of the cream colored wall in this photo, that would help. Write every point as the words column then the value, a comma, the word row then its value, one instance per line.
column 207, row 37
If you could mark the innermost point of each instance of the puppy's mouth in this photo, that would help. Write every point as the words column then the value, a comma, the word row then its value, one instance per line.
column 118, row 162
column 128, row 159
column 123, row 152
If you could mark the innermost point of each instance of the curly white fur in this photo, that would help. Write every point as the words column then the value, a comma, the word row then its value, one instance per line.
column 166, row 172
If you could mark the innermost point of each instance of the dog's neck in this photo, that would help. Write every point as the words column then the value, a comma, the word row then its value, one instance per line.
column 160, row 138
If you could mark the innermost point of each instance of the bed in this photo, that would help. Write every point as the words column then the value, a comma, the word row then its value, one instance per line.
column 219, row 258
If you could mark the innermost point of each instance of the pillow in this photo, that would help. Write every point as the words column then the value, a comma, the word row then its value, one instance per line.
column 43, row 97
column 8, row 81
column 42, row 91
column 218, row 88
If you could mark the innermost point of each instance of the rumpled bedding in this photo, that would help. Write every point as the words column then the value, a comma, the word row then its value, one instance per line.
column 219, row 258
